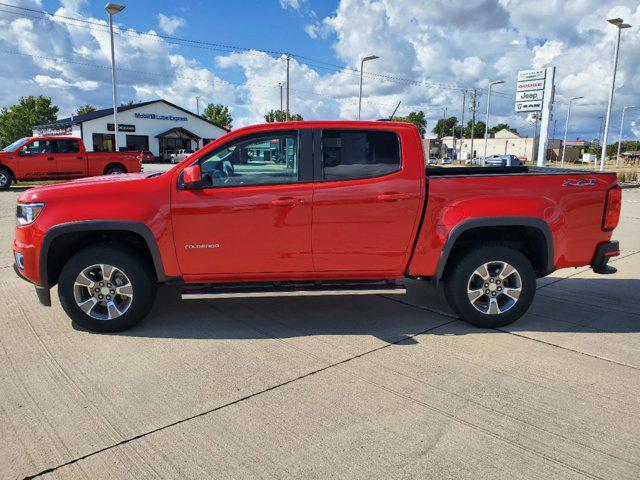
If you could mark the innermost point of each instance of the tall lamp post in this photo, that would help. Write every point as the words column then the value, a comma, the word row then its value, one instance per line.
column 364, row 59
column 621, row 127
column 198, row 104
column 486, row 126
column 619, row 23
column 566, row 128
column 112, row 9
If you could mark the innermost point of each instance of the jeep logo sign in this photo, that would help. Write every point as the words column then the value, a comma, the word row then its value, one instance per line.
column 529, row 96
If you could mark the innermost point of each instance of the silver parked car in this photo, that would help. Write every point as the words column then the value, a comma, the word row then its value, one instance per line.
column 502, row 161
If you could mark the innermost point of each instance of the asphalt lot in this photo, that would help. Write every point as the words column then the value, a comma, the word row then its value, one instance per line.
column 328, row 387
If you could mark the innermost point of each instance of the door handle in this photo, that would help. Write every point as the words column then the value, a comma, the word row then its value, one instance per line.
column 50, row 158
column 79, row 158
column 286, row 201
column 392, row 196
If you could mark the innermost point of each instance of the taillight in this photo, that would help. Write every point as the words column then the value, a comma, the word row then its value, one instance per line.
column 612, row 206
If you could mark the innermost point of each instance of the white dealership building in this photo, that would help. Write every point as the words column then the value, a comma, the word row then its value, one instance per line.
column 159, row 127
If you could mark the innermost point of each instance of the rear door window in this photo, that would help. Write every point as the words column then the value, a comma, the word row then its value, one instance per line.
column 66, row 146
column 354, row 154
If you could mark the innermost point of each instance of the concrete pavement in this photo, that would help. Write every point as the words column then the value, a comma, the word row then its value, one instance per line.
column 328, row 388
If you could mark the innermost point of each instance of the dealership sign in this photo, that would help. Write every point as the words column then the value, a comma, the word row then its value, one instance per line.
column 122, row 127
column 530, row 90
column 155, row 116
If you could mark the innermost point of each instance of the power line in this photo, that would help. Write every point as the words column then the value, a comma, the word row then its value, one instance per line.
column 232, row 48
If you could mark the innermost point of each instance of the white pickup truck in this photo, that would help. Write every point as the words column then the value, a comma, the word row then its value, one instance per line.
column 180, row 155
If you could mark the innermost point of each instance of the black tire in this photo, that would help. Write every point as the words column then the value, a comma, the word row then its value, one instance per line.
column 5, row 179
column 142, row 281
column 459, row 278
column 115, row 170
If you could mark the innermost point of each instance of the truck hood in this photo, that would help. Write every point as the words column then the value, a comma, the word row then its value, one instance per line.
column 43, row 192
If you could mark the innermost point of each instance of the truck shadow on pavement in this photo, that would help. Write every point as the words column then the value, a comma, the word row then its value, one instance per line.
column 576, row 305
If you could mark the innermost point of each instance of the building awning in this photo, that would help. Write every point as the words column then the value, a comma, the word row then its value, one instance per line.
column 178, row 132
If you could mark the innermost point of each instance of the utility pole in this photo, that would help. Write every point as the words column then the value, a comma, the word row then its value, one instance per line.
column 620, row 25
column 280, row 85
column 444, row 131
column 474, row 106
column 464, row 98
column 600, row 131
column 288, row 60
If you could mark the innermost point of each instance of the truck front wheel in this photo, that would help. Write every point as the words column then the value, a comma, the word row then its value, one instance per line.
column 5, row 179
column 490, row 286
column 106, row 288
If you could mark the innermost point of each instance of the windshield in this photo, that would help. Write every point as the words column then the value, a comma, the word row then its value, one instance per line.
column 15, row 145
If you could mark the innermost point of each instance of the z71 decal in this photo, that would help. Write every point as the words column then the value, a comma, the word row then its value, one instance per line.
column 579, row 182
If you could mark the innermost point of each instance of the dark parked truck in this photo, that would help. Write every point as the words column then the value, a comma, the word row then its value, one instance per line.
column 52, row 158
column 351, row 212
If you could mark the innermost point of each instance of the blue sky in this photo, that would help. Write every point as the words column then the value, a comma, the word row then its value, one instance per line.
column 429, row 52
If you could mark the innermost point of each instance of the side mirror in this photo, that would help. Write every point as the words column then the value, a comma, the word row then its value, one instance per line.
column 192, row 177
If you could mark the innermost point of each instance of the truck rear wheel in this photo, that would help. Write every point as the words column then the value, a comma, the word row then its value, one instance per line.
column 5, row 179
column 114, row 170
column 490, row 286
column 105, row 288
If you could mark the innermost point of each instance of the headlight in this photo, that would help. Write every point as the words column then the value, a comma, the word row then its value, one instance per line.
column 27, row 213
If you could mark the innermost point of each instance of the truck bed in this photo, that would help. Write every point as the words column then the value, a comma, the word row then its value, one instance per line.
column 439, row 171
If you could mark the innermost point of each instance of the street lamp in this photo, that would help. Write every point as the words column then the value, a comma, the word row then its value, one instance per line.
column 198, row 104
column 566, row 127
column 112, row 9
column 619, row 23
column 621, row 127
column 486, row 126
column 364, row 59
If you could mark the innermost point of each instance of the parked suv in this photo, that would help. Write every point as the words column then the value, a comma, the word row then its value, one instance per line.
column 180, row 155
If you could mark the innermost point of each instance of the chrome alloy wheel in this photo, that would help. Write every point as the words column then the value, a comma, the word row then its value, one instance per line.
column 4, row 179
column 103, row 292
column 494, row 287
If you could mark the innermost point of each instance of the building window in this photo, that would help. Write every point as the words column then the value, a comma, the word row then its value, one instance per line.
column 103, row 142
column 138, row 143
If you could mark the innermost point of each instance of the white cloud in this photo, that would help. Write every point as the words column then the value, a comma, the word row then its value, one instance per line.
column 169, row 24
column 434, row 43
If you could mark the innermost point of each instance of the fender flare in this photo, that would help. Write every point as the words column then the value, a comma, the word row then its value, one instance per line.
column 465, row 225
column 95, row 225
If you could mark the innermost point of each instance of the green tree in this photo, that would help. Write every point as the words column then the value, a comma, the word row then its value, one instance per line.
column 445, row 127
column 417, row 118
column 218, row 114
column 502, row 126
column 281, row 116
column 17, row 121
column 87, row 108
column 128, row 103
column 478, row 131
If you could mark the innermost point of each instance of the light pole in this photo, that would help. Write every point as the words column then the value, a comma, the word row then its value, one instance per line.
column 364, row 59
column 112, row 9
column 566, row 128
column 621, row 127
column 619, row 23
column 198, row 104
column 486, row 126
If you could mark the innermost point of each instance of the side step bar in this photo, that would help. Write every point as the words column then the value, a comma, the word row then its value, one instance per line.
column 310, row 290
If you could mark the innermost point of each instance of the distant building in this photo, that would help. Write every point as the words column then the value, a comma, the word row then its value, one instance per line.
column 503, row 142
column 157, row 126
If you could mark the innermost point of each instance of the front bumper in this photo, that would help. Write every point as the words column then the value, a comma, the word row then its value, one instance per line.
column 604, row 252
column 43, row 293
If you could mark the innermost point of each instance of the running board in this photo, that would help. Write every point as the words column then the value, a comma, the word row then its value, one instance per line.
column 293, row 291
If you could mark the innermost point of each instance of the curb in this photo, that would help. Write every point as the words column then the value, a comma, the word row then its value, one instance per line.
column 630, row 185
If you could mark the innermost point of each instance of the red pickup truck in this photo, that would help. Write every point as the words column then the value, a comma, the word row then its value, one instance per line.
column 312, row 208
column 51, row 158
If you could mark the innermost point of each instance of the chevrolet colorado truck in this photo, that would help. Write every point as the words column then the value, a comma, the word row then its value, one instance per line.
column 353, row 211
column 51, row 158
